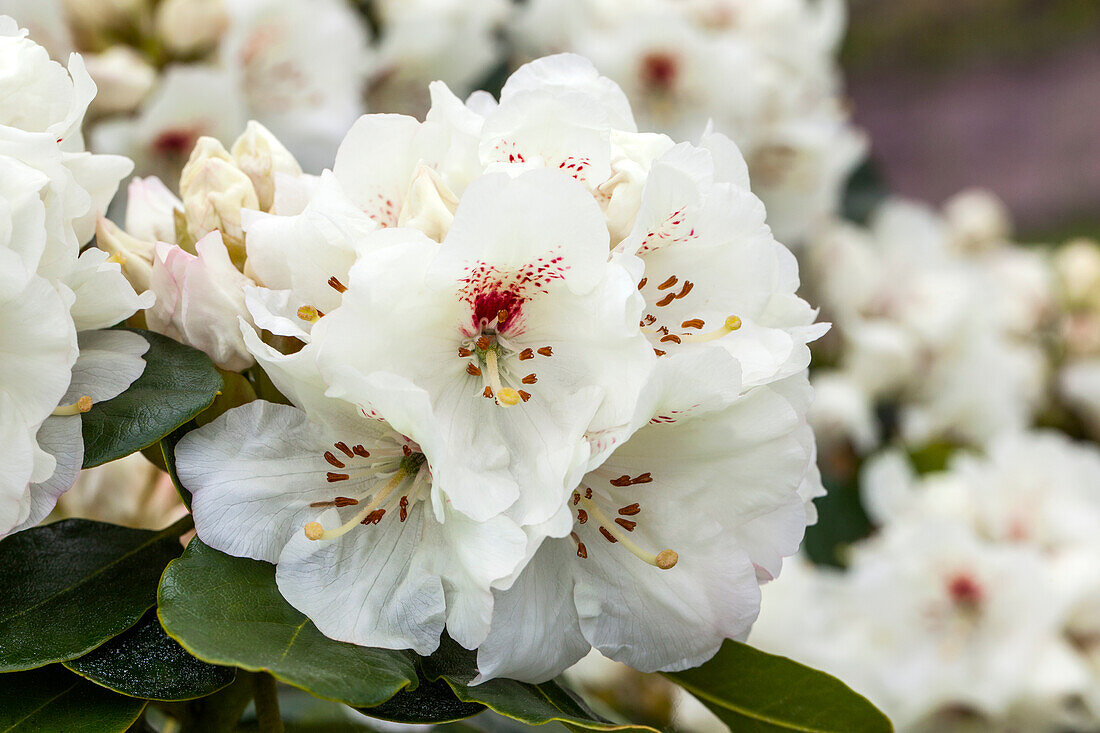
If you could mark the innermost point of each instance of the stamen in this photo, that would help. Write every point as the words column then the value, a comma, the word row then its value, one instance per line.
column 630, row 510
column 665, row 559
column 337, row 285
column 343, row 501
column 526, row 354
column 464, row 352
column 530, row 379
column 310, row 314
column 116, row 258
column 343, row 448
column 374, row 517
column 665, row 300
column 688, row 285
column 672, row 280
column 546, row 351
column 658, row 352
column 623, row 480
column 482, row 342
column 407, row 451
column 582, row 551
column 82, row 405
column 642, row 282
column 502, row 315
column 472, row 370
column 487, row 392
column 582, row 516
column 732, row 323
column 333, row 459
column 360, row 451
column 626, row 524
column 671, row 337
column 404, row 506
column 693, row 323
column 315, row 531
column 524, row 395
column 334, row 477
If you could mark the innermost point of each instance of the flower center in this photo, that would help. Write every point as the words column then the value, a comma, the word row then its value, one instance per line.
column 402, row 467
column 495, row 359
column 617, row 531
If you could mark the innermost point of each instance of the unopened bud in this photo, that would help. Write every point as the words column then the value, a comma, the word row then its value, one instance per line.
column 260, row 155
column 122, row 77
column 214, row 191
column 189, row 26
column 1077, row 264
column 978, row 219
column 151, row 209
column 429, row 204
column 133, row 254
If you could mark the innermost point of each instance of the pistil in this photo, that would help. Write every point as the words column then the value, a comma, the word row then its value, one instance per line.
column 80, row 406
column 315, row 531
column 732, row 324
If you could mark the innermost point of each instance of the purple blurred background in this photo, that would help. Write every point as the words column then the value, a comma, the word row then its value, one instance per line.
column 1003, row 94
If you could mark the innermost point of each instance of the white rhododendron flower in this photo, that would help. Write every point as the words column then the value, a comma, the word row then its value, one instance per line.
column 498, row 329
column 928, row 328
column 765, row 72
column 422, row 41
column 55, row 297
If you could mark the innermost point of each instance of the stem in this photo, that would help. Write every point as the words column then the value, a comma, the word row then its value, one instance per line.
column 266, row 698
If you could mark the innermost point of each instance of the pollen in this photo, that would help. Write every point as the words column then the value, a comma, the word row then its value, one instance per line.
column 546, row 351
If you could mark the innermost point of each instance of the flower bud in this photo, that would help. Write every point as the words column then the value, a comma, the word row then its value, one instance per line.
column 260, row 155
column 1078, row 266
column 189, row 26
column 150, row 210
column 429, row 205
column 135, row 255
column 978, row 219
column 123, row 78
column 92, row 19
column 214, row 191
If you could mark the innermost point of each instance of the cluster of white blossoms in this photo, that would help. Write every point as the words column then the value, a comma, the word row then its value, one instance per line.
column 1077, row 274
column 765, row 73
column 56, row 362
column 938, row 321
column 978, row 602
column 173, row 71
column 546, row 374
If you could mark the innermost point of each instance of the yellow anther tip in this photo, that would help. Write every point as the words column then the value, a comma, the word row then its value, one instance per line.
column 314, row 530
column 507, row 396
column 667, row 559
column 84, row 404
column 308, row 313
column 733, row 323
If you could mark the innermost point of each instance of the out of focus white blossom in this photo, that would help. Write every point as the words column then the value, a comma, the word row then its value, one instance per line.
column 765, row 73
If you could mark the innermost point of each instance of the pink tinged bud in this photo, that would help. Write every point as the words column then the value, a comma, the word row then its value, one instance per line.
column 150, row 210
column 123, row 79
column 260, row 156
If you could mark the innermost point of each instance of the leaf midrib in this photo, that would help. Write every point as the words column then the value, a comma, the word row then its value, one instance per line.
column 167, row 532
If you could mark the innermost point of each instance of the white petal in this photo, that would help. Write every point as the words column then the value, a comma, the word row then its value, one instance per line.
column 370, row 587
column 108, row 364
column 61, row 437
column 535, row 632
column 253, row 473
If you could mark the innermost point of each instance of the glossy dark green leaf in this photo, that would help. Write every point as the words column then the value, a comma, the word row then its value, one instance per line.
column 52, row 699
column 178, row 383
column 145, row 662
column 753, row 691
column 72, row 585
column 227, row 610
column 527, row 703
column 433, row 701
column 167, row 449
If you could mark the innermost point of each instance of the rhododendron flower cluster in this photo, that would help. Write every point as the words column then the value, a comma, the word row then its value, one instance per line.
column 546, row 374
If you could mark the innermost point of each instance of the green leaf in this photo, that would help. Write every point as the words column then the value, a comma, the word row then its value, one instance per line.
column 753, row 691
column 527, row 703
column 145, row 662
column 167, row 448
column 433, row 701
column 178, row 383
column 72, row 585
column 227, row 610
column 52, row 699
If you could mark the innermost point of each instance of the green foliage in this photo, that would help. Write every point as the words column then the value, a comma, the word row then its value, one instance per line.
column 227, row 610
column 72, row 585
column 52, row 699
column 753, row 691
column 178, row 383
column 145, row 662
